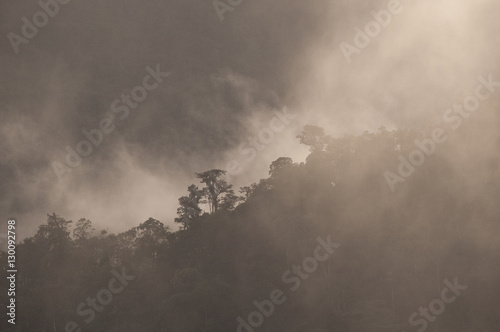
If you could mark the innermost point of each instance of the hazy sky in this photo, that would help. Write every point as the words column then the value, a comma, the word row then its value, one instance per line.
column 227, row 79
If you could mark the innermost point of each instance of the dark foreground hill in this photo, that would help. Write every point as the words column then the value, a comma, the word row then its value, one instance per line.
column 332, row 244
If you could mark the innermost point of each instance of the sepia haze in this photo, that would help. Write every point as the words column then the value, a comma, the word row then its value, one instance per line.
column 226, row 80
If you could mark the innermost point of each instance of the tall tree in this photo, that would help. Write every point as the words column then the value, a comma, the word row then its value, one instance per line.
column 55, row 234
column 280, row 164
column 151, row 236
column 229, row 200
column 83, row 229
column 214, row 187
column 314, row 137
column 189, row 208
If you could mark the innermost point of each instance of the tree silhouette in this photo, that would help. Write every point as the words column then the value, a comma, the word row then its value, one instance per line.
column 83, row 229
column 215, row 187
column 396, row 248
column 189, row 206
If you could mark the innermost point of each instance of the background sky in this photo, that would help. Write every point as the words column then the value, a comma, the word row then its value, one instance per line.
column 226, row 80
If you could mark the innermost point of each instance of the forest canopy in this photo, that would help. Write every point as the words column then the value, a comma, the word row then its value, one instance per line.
column 395, row 248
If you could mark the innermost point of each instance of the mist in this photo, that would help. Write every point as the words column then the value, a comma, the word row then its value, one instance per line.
column 226, row 80
column 262, row 74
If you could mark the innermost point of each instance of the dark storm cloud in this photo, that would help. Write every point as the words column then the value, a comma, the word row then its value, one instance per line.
column 65, row 78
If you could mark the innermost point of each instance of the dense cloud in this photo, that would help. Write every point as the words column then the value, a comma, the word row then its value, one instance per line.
column 226, row 80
